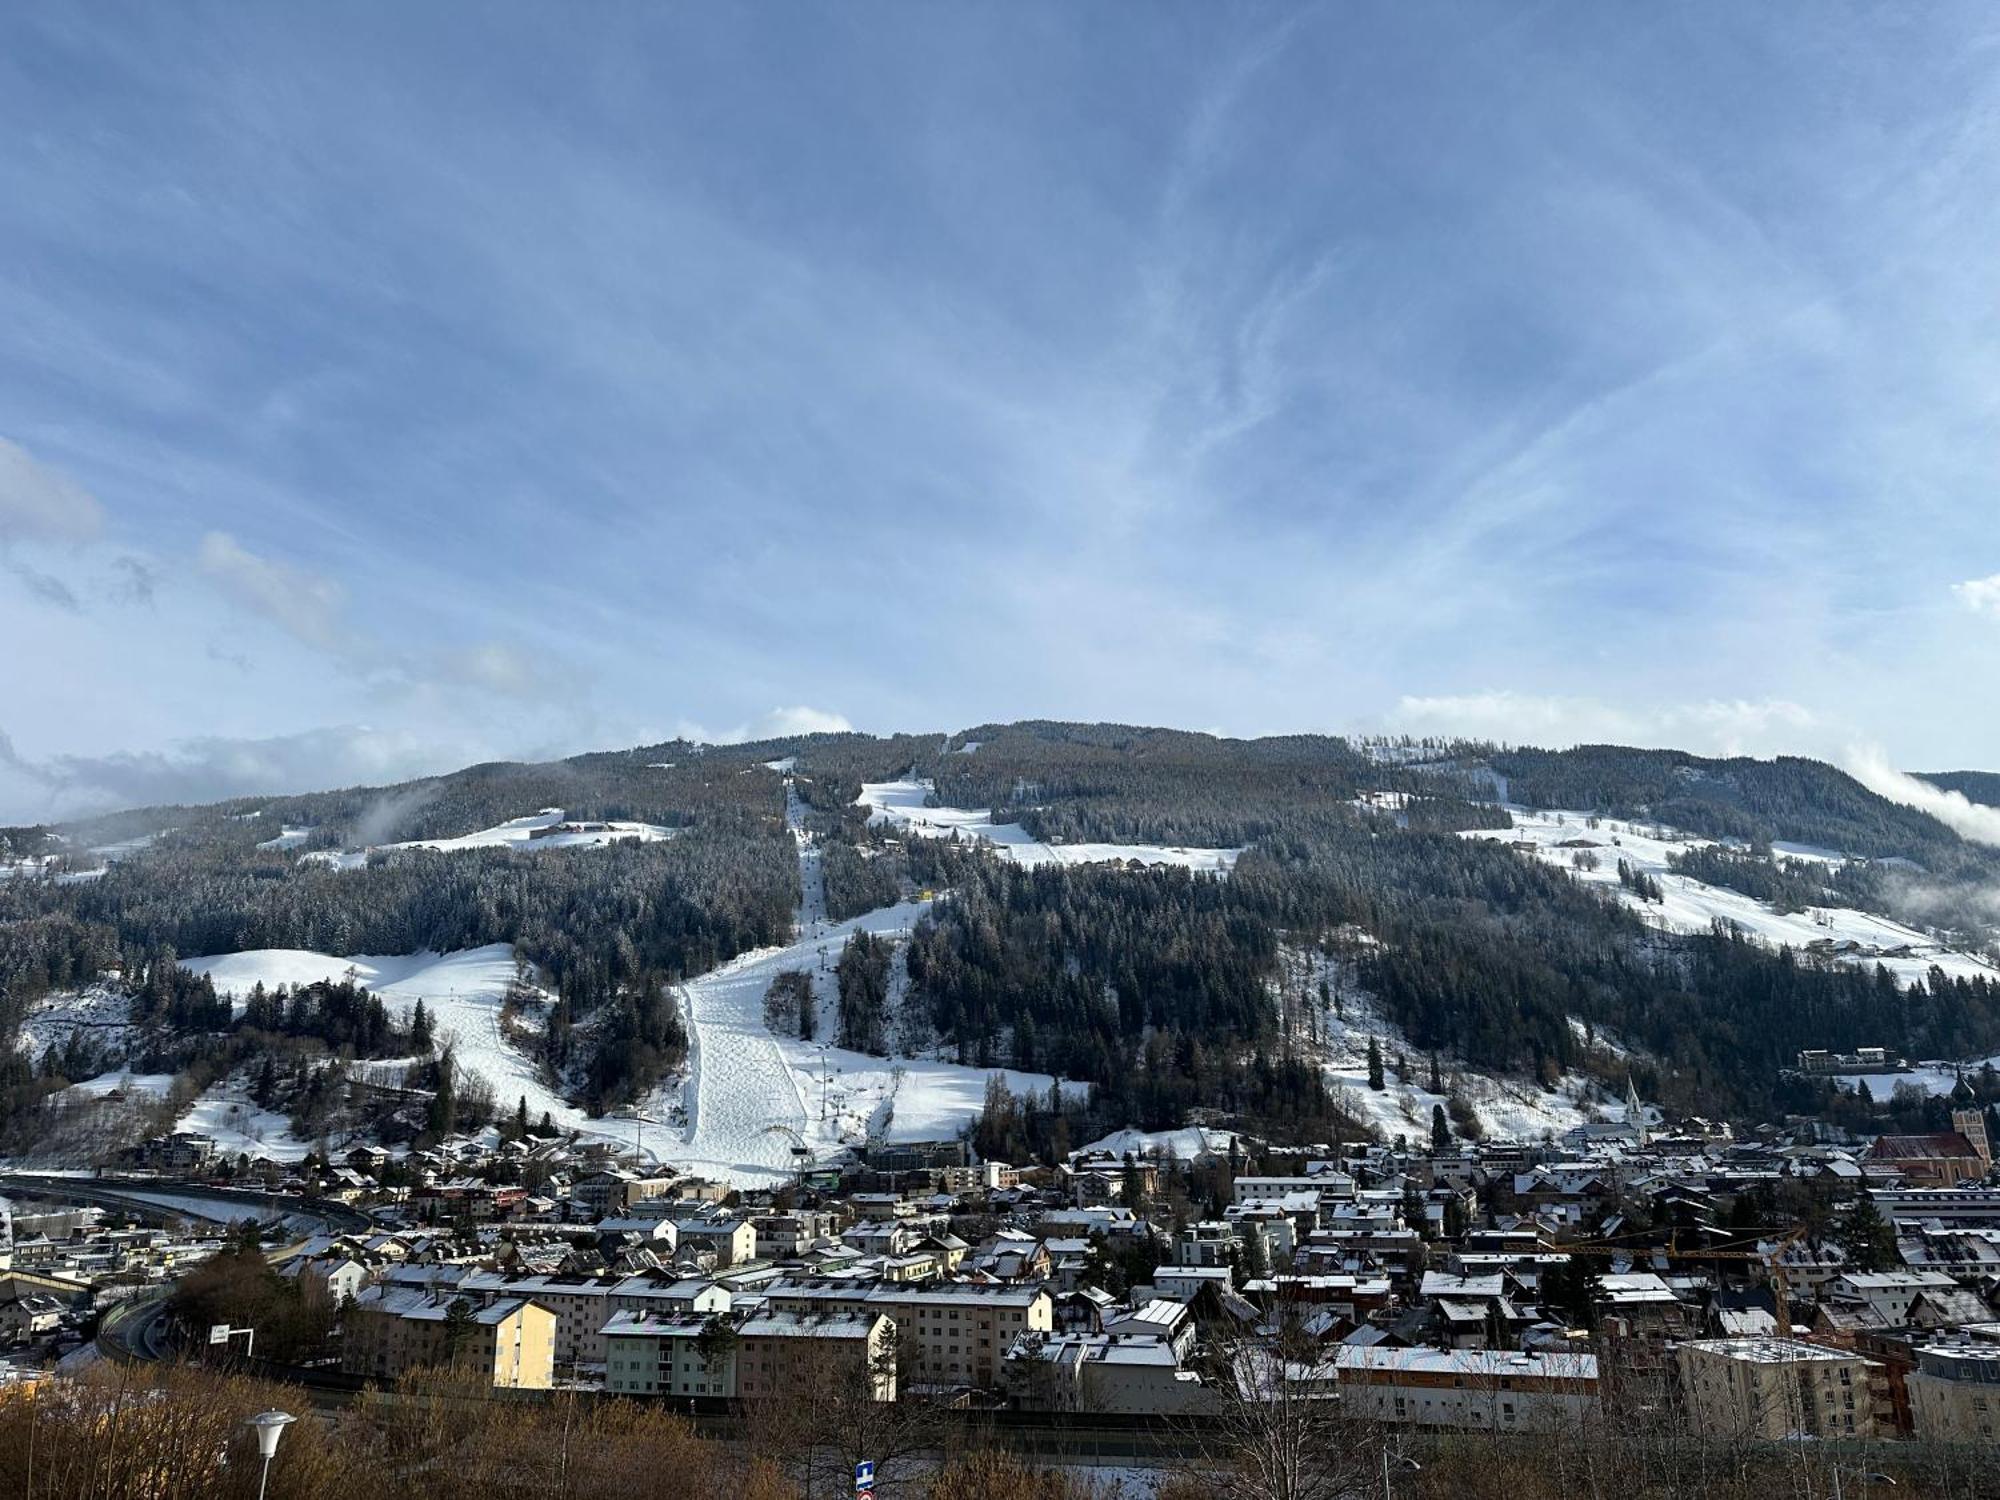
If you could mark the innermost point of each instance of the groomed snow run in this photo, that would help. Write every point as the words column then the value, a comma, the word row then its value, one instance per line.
column 900, row 804
column 1837, row 933
column 751, row 1097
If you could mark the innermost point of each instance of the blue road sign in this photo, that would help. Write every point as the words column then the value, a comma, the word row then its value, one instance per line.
column 864, row 1474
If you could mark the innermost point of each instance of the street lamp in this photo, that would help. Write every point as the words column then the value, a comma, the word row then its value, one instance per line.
column 640, row 1120
column 269, row 1427
column 1864, row 1475
column 1403, row 1463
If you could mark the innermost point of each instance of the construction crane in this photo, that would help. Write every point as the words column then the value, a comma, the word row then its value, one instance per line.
column 1772, row 1259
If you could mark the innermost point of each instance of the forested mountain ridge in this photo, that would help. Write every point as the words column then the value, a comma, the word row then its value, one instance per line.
column 1157, row 986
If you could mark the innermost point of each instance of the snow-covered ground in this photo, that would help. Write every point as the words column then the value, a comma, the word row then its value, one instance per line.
column 102, row 1013
column 1932, row 1077
column 749, row 1093
column 122, row 1081
column 521, row 833
column 240, row 1128
column 1185, row 1144
column 546, row 829
column 900, row 804
column 290, row 838
column 1508, row 1108
column 462, row 994
column 1839, row 933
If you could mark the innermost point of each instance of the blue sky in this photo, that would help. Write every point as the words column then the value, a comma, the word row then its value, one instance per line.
column 386, row 387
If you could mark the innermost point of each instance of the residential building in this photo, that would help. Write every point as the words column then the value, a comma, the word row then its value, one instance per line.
column 1483, row 1390
column 1955, row 1391
column 681, row 1354
column 1779, row 1388
column 788, row 1354
column 386, row 1334
column 1135, row 1374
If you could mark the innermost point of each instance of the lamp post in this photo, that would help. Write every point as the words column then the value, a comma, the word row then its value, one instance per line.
column 1866, row 1476
column 1403, row 1465
column 269, row 1427
column 640, row 1120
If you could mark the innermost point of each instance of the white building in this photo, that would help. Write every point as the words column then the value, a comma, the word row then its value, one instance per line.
column 1482, row 1390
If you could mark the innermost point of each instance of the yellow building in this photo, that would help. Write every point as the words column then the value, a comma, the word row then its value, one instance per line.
column 388, row 1333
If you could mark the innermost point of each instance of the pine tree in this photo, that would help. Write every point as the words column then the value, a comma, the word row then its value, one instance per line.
column 1870, row 1240
column 1375, row 1078
column 1440, row 1129
column 420, row 1030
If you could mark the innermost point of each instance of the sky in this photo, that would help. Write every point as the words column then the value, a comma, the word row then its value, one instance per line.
column 386, row 387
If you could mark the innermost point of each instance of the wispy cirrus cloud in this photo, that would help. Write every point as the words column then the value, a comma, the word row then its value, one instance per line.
column 38, row 504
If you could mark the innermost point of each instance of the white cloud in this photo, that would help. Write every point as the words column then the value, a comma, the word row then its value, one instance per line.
column 211, row 768
column 1868, row 765
column 38, row 504
column 1715, row 726
column 304, row 604
column 779, row 723
column 1982, row 595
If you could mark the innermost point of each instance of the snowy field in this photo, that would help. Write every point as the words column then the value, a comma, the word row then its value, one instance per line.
column 121, row 1081
column 521, row 833
column 1937, row 1078
column 747, row 1088
column 900, row 804
column 1844, row 934
column 527, row 833
column 289, row 838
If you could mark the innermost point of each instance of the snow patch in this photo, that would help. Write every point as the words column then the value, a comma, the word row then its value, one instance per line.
column 1837, row 933
column 900, row 804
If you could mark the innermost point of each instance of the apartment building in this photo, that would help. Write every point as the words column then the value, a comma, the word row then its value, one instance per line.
column 1096, row 1372
column 1480, row 1390
column 1776, row 1388
column 1955, row 1391
column 681, row 1354
column 387, row 1333
column 953, row 1333
column 786, row 1354
column 730, row 1241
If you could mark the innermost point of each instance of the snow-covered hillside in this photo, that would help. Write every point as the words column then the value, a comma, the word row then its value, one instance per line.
column 900, row 804
column 751, row 1096
column 1834, row 932
column 1338, row 1035
column 102, row 1013
column 546, row 829
column 462, row 993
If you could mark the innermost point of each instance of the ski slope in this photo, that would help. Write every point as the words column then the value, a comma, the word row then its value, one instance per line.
column 1838, row 933
column 750, row 1096
column 900, row 805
